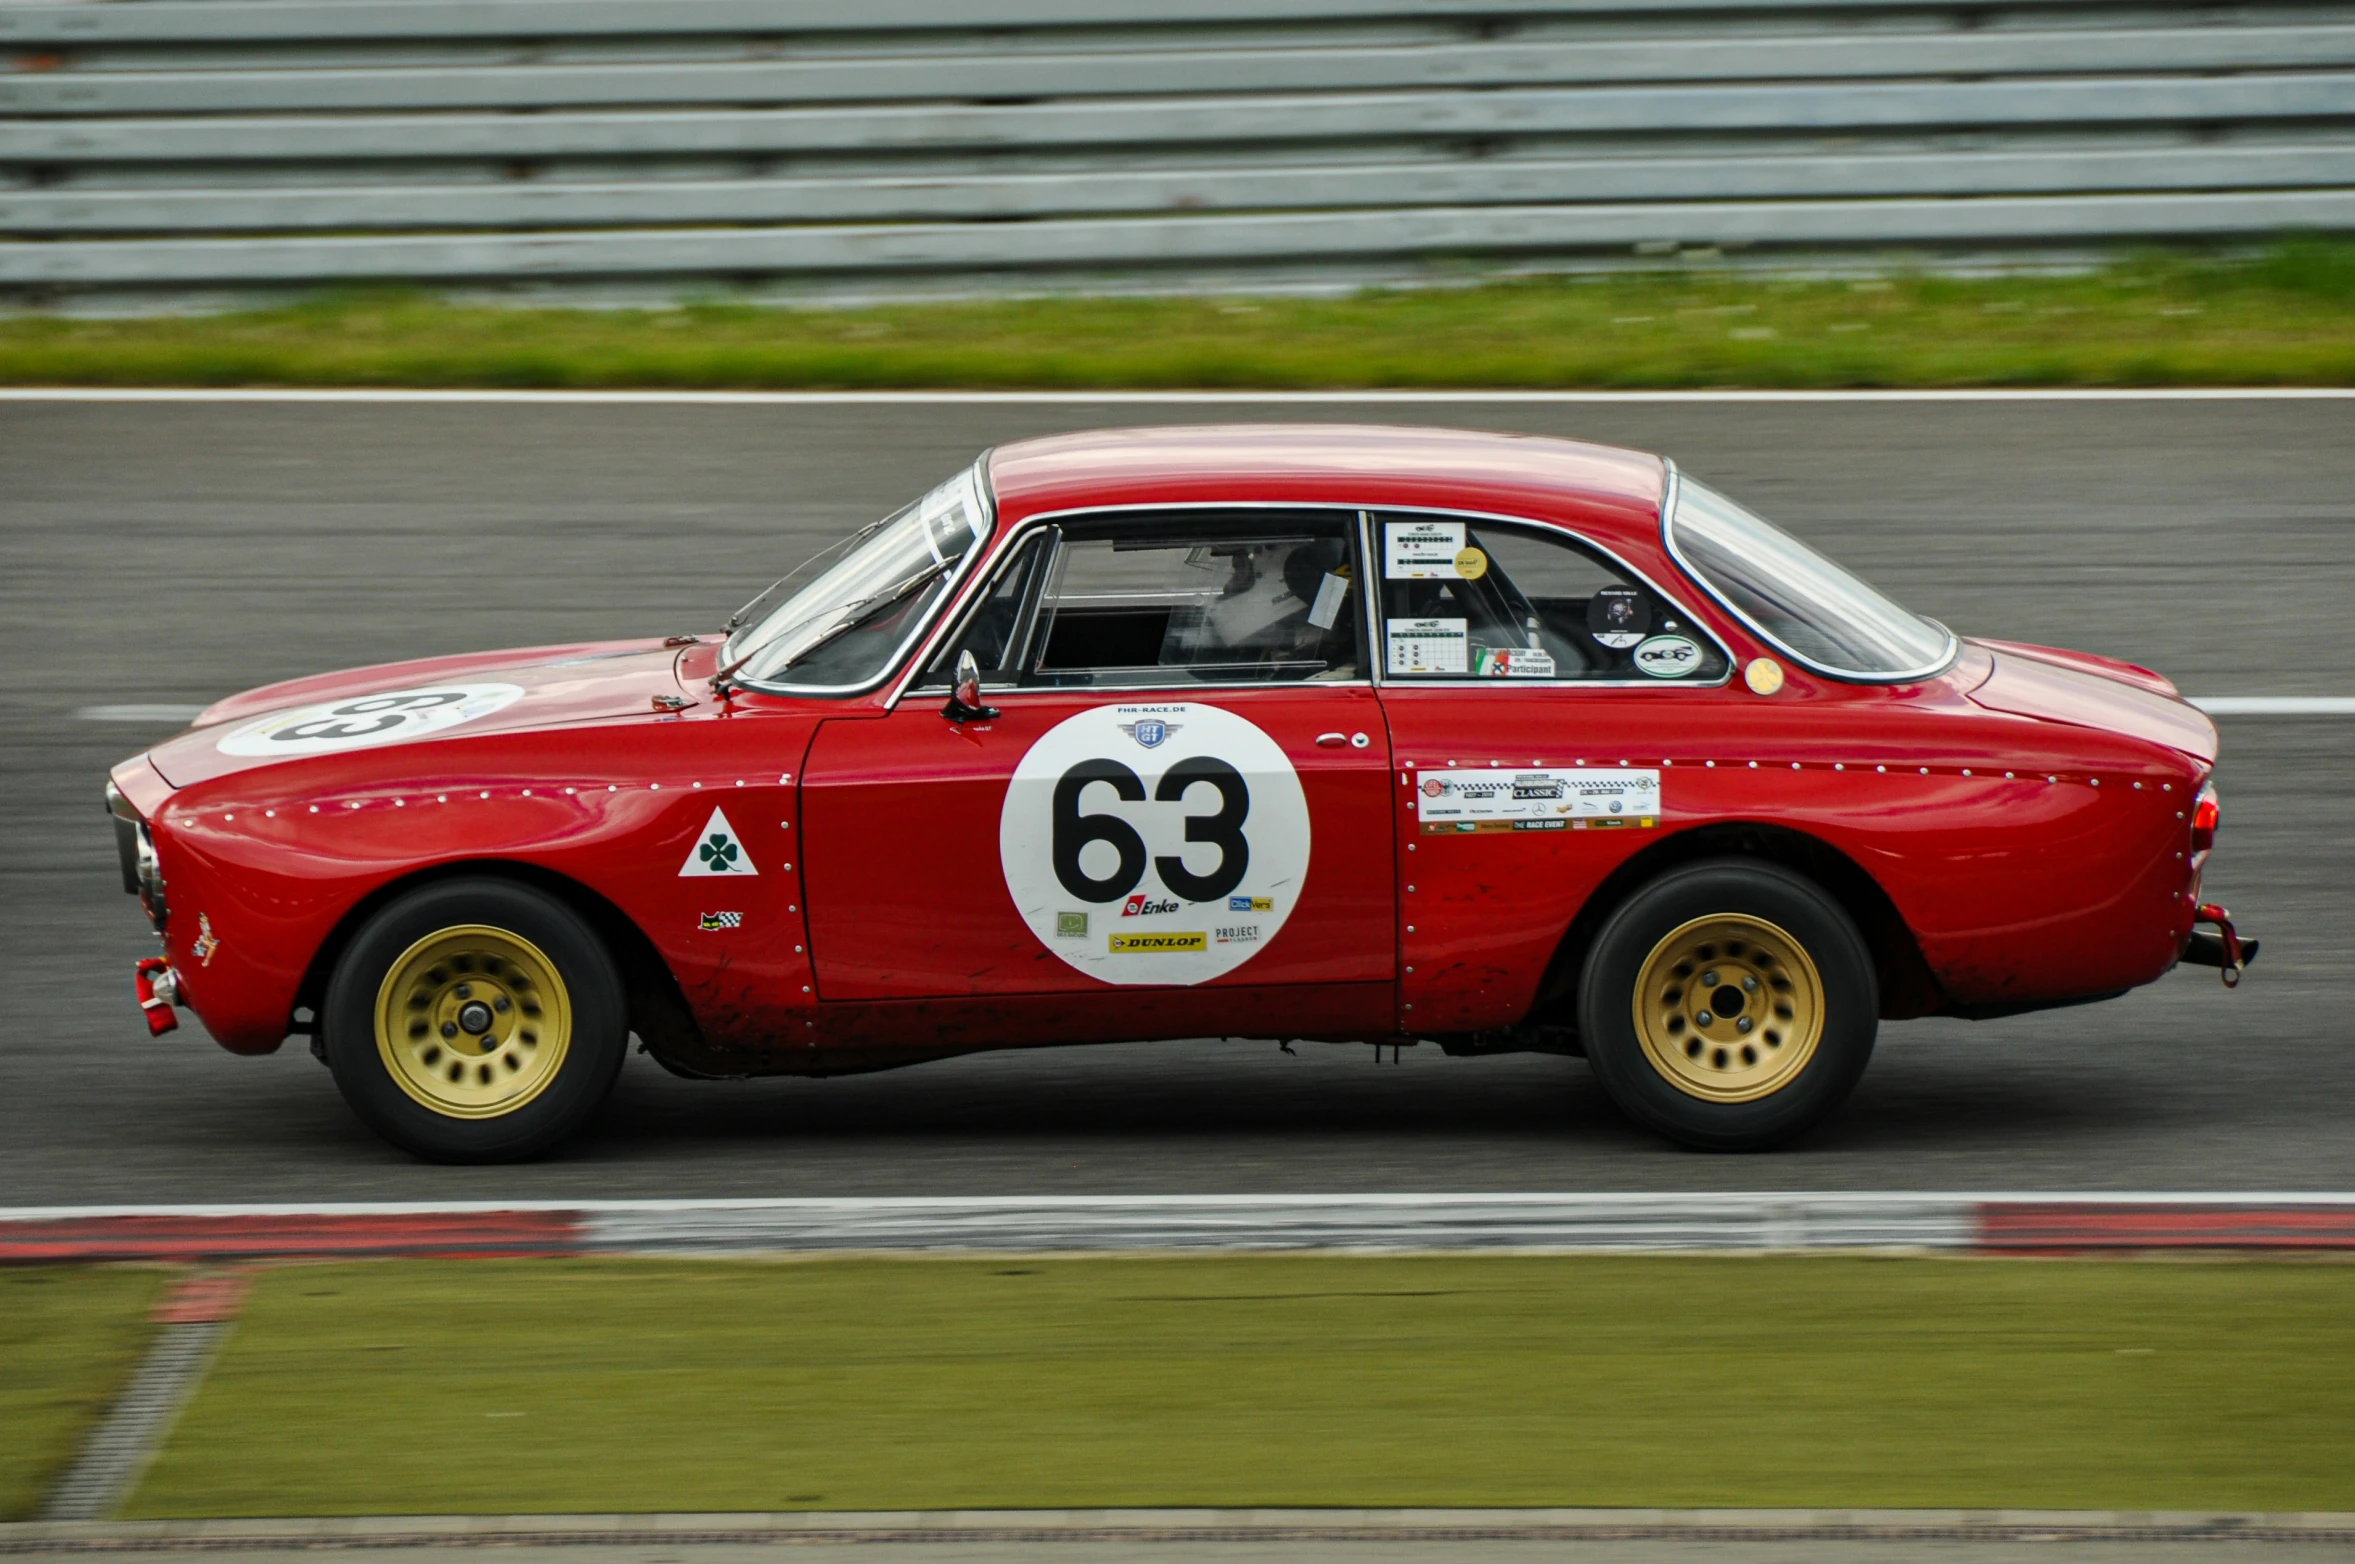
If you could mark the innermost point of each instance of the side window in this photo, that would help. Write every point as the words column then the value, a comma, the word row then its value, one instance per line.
column 1491, row 600
column 993, row 631
column 1216, row 598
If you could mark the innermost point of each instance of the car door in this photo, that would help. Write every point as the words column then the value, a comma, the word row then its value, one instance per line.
column 1184, row 791
column 1532, row 684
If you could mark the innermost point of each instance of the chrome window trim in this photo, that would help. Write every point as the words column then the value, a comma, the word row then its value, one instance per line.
column 986, row 497
column 1668, row 497
column 1055, row 518
column 1410, row 682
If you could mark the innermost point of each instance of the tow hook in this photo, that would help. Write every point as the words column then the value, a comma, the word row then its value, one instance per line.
column 2224, row 950
column 158, row 988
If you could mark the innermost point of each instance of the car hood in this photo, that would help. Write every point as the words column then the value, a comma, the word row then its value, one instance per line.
column 531, row 687
column 2089, row 692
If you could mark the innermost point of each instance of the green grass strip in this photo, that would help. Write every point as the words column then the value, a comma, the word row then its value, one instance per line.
column 886, row 1384
column 69, row 1340
column 2156, row 320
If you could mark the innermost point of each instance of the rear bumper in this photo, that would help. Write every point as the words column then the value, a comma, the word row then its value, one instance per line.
column 2226, row 949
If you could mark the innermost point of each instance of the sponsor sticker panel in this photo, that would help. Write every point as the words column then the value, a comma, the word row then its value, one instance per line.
column 1571, row 798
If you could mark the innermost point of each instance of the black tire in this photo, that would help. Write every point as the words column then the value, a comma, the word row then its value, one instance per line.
column 1742, row 892
column 572, row 1088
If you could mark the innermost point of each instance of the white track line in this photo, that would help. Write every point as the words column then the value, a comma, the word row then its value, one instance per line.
column 2275, row 705
column 891, row 1205
column 368, row 395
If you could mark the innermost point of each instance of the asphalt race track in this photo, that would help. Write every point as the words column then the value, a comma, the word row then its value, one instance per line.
column 172, row 552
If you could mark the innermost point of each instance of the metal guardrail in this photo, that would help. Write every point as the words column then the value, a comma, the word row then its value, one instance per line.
column 177, row 144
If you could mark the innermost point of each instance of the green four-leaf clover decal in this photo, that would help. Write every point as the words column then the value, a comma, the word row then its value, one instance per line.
column 719, row 854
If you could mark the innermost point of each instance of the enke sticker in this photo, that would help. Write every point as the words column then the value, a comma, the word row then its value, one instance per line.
column 1124, row 856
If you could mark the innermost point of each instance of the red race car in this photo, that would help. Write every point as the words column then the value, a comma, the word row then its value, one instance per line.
column 1349, row 734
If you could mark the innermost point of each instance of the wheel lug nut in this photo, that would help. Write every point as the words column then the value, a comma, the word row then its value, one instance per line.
column 1708, row 980
column 449, row 1029
column 501, row 1005
column 1749, row 983
column 466, row 991
column 1743, row 1025
column 1705, row 1018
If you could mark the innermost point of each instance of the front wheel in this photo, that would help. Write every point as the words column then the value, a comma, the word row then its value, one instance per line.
column 475, row 1020
column 1728, row 1005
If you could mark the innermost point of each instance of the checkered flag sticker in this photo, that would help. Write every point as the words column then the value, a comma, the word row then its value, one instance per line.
column 713, row 922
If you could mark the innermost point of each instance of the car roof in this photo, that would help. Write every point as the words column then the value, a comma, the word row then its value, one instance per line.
column 1358, row 465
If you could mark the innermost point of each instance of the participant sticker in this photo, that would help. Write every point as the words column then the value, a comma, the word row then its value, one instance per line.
column 1512, row 662
column 1471, row 564
column 1427, row 645
column 1132, row 835
column 355, row 722
column 1450, row 803
column 1425, row 551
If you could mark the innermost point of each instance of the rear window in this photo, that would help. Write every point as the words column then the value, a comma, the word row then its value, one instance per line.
column 1797, row 600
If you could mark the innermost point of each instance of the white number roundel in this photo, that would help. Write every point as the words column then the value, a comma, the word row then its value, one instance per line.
column 1155, row 844
column 360, row 720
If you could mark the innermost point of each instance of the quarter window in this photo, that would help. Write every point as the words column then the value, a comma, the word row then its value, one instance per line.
column 1466, row 599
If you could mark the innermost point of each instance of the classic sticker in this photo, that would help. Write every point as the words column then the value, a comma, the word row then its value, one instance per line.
column 1668, row 656
column 1453, row 803
column 1156, row 841
column 717, row 851
column 1427, row 646
column 1423, row 550
column 354, row 722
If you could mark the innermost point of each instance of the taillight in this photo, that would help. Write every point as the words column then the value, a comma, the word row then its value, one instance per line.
column 2206, row 815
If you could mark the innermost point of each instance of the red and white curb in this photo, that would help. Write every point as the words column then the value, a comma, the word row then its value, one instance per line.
column 1367, row 1223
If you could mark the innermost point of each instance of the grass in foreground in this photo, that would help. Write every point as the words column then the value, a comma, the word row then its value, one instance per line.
column 68, row 1341
column 858, row 1384
column 2154, row 320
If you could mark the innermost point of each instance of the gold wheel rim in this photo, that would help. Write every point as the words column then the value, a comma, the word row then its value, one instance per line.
column 1702, row 1042
column 473, row 1022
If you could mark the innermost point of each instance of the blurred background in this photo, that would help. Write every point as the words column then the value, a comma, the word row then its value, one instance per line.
column 785, row 149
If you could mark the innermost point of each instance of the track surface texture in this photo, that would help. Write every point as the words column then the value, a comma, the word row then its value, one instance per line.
column 176, row 552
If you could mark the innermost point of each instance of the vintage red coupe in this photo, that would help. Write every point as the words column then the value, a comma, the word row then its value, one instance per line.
column 1349, row 734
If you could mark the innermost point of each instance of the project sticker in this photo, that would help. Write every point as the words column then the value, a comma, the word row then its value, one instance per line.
column 1427, row 645
column 1581, row 798
column 357, row 721
column 1132, row 835
column 1423, row 550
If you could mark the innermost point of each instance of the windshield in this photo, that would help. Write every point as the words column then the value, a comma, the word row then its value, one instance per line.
column 1797, row 599
column 842, row 619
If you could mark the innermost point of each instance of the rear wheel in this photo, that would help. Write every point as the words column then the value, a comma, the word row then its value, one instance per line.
column 475, row 1020
column 1729, row 1005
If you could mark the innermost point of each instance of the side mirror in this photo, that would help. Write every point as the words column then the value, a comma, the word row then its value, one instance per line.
column 965, row 693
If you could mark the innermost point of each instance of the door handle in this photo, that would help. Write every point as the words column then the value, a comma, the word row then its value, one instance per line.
column 1337, row 740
